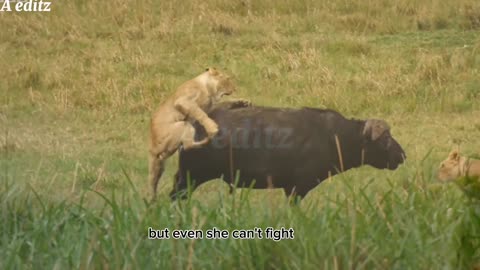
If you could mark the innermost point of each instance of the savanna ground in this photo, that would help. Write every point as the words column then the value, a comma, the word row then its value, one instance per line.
column 79, row 83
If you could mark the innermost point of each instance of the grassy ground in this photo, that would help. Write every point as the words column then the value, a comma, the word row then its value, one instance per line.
column 78, row 85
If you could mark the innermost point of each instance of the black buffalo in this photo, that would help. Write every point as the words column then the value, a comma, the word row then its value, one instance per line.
column 293, row 149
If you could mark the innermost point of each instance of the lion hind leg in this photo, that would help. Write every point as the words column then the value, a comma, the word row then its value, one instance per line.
column 159, row 153
column 156, row 169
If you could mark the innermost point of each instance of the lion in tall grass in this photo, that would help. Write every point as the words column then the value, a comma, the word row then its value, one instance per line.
column 456, row 166
column 171, row 125
column 464, row 171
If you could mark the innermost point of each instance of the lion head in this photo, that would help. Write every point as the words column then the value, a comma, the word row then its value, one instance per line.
column 224, row 84
column 451, row 168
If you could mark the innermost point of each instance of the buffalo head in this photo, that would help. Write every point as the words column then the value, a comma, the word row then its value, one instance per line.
column 380, row 149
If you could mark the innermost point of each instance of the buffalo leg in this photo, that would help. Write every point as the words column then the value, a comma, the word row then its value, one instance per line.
column 182, row 186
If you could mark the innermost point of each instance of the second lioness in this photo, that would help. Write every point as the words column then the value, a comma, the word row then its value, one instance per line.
column 171, row 125
column 456, row 166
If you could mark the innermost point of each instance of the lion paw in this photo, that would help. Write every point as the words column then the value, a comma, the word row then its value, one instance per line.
column 211, row 127
column 242, row 103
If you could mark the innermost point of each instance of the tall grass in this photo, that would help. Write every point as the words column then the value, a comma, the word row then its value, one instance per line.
column 407, row 227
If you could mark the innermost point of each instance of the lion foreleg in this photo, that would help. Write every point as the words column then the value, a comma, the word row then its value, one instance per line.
column 232, row 104
column 239, row 103
column 193, row 111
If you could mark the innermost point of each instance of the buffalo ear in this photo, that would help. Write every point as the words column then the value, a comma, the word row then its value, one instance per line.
column 454, row 155
column 374, row 128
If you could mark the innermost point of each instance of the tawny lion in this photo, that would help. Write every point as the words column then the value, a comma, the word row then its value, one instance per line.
column 456, row 166
column 171, row 125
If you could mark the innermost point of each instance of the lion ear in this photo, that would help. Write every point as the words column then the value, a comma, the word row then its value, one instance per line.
column 454, row 155
column 212, row 71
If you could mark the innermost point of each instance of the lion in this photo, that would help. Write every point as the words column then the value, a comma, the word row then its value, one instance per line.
column 456, row 166
column 171, row 125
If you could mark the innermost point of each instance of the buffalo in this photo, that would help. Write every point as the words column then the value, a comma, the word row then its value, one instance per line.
column 293, row 149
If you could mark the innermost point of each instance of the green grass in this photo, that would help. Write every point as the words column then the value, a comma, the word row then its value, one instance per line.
column 469, row 185
column 78, row 86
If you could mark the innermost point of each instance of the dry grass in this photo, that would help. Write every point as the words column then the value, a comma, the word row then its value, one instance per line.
column 128, row 61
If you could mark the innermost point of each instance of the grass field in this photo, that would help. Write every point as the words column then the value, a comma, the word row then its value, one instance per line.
column 79, row 83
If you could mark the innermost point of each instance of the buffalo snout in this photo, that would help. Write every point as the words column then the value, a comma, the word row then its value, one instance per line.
column 396, row 155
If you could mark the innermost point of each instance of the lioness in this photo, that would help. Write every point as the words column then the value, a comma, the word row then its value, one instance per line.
column 171, row 125
column 456, row 166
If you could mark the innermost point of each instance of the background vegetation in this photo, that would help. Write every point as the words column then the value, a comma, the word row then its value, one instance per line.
column 79, row 83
